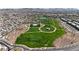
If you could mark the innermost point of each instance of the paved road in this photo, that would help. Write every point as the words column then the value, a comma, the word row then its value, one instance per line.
column 24, row 48
column 69, row 27
column 6, row 44
column 74, row 48
column 9, row 46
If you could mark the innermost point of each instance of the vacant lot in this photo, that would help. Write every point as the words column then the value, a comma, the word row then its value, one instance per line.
column 35, row 38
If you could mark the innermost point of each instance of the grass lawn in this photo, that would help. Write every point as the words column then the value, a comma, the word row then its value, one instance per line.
column 33, row 29
column 34, row 38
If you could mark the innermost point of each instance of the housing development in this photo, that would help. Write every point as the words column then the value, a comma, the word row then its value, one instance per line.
column 29, row 29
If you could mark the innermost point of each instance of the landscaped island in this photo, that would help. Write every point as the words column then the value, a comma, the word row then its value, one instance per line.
column 42, row 34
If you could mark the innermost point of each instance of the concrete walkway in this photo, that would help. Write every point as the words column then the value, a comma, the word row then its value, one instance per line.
column 42, row 25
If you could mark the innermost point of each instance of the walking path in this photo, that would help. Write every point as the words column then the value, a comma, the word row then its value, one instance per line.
column 42, row 25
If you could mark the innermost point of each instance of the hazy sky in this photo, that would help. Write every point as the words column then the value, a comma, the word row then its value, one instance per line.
column 39, row 4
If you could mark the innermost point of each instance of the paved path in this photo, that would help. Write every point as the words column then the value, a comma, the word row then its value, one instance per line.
column 42, row 25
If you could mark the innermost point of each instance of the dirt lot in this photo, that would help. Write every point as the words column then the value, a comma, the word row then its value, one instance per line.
column 11, row 37
column 67, row 39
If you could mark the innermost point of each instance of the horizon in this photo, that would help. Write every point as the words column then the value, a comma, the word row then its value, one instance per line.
column 39, row 8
